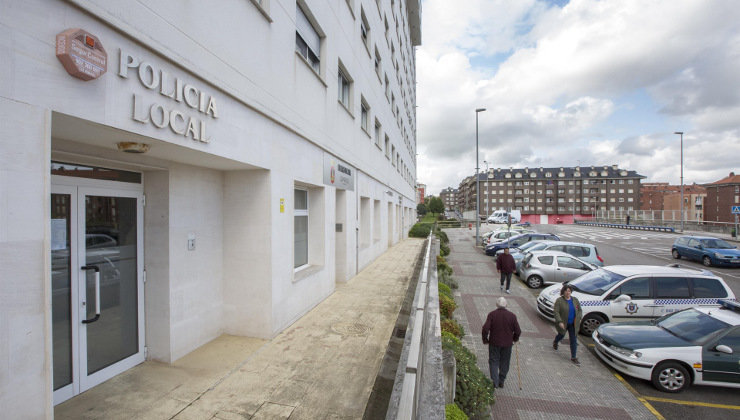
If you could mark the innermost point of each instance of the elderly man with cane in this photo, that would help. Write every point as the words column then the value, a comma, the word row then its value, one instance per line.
column 500, row 331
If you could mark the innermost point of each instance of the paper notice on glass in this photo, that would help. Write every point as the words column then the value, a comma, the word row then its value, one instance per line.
column 58, row 234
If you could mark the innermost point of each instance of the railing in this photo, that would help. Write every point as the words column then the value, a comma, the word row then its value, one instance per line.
column 418, row 390
column 623, row 226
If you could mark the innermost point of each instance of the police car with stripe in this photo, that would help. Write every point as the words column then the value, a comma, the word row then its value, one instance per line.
column 699, row 346
column 637, row 292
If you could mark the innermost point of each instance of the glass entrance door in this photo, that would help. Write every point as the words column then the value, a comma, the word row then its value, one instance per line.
column 97, row 285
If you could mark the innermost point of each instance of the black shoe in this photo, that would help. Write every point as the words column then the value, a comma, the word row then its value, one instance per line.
column 575, row 361
column 501, row 384
column 554, row 344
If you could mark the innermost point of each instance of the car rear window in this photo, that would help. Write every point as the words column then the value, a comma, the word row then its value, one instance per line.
column 545, row 259
column 682, row 241
column 708, row 288
column 577, row 251
column 672, row 287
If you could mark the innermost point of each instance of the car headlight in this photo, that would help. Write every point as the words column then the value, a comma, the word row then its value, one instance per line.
column 718, row 255
column 627, row 352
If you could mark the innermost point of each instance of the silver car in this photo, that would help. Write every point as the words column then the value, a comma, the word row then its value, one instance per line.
column 547, row 267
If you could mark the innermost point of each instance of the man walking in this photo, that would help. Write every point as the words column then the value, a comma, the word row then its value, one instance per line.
column 500, row 332
column 505, row 265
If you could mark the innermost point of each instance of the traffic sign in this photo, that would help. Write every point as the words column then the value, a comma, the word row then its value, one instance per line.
column 735, row 209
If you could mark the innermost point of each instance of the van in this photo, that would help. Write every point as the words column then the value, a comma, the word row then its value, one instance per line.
column 502, row 216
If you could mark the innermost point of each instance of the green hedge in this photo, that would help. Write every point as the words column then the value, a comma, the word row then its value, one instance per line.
column 453, row 412
column 473, row 389
column 444, row 290
column 421, row 230
column 452, row 327
column 446, row 306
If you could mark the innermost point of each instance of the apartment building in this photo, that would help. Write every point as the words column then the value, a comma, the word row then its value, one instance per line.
column 449, row 198
column 722, row 195
column 173, row 171
column 563, row 192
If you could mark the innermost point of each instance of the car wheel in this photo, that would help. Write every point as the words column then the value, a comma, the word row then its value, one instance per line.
column 707, row 261
column 534, row 281
column 590, row 323
column 676, row 255
column 670, row 377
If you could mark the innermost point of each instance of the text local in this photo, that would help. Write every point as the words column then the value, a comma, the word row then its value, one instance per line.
column 173, row 88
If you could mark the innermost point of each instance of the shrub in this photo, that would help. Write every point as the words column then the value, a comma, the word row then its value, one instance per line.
column 446, row 306
column 444, row 249
column 451, row 326
column 473, row 389
column 446, row 278
column 442, row 266
column 420, row 230
column 446, row 335
column 444, row 290
column 453, row 412
column 442, row 236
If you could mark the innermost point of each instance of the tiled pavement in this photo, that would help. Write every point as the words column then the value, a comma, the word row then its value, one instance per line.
column 552, row 387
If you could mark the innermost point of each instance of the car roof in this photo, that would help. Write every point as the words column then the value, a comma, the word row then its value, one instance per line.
column 631, row 270
column 555, row 254
column 698, row 237
column 551, row 242
column 726, row 315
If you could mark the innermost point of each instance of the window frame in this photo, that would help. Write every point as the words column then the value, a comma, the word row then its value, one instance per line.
column 300, row 212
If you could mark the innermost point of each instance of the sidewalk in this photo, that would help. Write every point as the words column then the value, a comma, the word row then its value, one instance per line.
column 552, row 387
column 321, row 367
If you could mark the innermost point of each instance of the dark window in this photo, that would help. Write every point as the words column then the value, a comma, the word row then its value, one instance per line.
column 560, row 248
column 682, row 241
column 577, row 251
column 732, row 340
column 638, row 288
column 693, row 243
column 570, row 263
column 672, row 287
column 545, row 259
column 708, row 288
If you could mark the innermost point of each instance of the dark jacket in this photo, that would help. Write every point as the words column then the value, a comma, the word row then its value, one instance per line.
column 505, row 262
column 501, row 328
column 561, row 313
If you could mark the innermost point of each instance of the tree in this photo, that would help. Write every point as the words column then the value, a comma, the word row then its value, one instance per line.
column 436, row 205
column 421, row 209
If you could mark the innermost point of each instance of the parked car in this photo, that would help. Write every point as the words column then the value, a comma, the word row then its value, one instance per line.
column 710, row 251
column 518, row 240
column 584, row 251
column 547, row 267
column 502, row 216
column 500, row 235
column 697, row 346
column 520, row 252
column 637, row 292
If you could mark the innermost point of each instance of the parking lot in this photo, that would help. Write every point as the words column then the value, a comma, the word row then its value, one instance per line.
column 654, row 248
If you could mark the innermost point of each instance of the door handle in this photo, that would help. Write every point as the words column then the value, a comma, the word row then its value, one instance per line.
column 97, row 292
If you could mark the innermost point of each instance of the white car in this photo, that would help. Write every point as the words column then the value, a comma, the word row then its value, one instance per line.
column 698, row 346
column 636, row 292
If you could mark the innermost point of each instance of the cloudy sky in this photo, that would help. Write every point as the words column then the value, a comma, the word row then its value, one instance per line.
column 589, row 82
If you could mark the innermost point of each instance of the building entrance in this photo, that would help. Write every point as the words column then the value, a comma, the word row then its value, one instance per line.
column 97, row 277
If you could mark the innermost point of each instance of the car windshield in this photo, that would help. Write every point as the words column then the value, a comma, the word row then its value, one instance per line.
column 716, row 244
column 691, row 325
column 527, row 246
column 596, row 282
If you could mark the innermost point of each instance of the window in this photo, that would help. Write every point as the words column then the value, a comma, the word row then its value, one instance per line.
column 377, row 131
column 708, row 288
column 300, row 228
column 364, row 30
column 672, row 287
column 364, row 114
column 638, row 288
column 387, row 88
column 307, row 40
column 393, row 154
column 569, row 262
column 377, row 62
column 343, row 87
column 387, row 148
column 545, row 259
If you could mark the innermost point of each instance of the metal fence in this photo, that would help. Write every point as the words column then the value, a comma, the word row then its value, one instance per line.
column 667, row 218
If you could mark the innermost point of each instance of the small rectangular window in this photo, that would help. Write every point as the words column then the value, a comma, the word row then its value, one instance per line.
column 343, row 88
column 307, row 39
column 300, row 227
column 364, row 114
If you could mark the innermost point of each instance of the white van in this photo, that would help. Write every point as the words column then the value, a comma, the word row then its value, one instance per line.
column 502, row 216
column 637, row 292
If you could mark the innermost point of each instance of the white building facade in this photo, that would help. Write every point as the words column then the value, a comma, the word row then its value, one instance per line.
column 271, row 155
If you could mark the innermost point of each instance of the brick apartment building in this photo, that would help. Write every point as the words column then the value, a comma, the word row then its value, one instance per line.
column 564, row 192
column 693, row 203
column 449, row 198
column 721, row 196
column 653, row 193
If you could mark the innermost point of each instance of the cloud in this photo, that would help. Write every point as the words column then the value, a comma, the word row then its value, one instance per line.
column 554, row 79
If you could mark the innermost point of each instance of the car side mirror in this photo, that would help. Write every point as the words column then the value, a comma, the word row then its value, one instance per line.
column 723, row 349
column 623, row 298
column 699, row 246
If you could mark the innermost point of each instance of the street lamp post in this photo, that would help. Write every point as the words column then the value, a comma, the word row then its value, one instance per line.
column 477, row 181
column 682, row 206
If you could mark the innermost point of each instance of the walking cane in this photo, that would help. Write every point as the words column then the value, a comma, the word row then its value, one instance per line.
column 518, row 371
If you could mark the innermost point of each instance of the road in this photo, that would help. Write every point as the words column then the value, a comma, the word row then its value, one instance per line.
column 654, row 248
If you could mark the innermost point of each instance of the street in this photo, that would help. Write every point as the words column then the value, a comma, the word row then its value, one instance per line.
column 654, row 248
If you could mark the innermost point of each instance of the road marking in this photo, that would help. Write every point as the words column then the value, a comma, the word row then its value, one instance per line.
column 694, row 403
column 640, row 397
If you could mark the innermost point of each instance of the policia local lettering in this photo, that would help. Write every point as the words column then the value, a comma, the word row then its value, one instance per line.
column 173, row 88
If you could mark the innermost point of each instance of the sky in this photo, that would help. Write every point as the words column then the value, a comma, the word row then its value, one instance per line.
column 580, row 82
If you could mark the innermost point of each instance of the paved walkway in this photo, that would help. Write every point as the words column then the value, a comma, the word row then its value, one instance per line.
column 322, row 367
column 552, row 387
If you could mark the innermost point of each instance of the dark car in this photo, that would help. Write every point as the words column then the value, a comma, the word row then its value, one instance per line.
column 710, row 251
column 518, row 240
